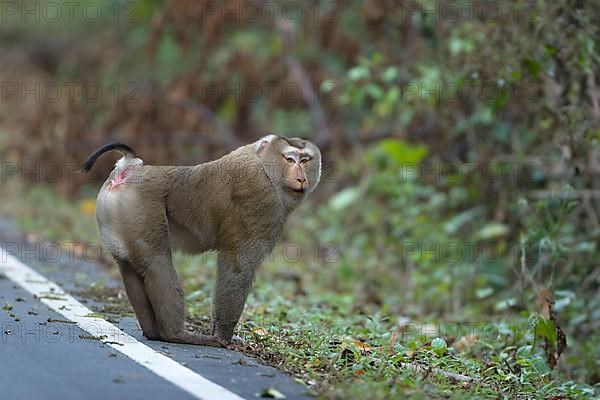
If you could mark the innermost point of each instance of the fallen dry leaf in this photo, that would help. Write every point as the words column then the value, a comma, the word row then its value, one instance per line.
column 466, row 342
column 362, row 345
column 393, row 339
column 259, row 331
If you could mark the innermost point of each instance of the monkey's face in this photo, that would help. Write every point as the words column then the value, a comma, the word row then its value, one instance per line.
column 292, row 164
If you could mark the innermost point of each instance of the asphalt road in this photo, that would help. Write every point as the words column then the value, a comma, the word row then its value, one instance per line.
column 45, row 355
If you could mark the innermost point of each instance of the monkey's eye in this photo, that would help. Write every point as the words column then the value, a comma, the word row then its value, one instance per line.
column 304, row 160
column 289, row 159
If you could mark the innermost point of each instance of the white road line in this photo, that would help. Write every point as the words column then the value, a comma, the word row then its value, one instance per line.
column 55, row 297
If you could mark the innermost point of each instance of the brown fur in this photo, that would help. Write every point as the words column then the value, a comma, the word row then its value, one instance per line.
column 237, row 205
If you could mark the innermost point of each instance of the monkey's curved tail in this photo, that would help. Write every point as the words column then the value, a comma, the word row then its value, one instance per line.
column 121, row 147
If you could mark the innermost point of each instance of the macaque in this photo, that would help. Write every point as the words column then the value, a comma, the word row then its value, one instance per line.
column 236, row 205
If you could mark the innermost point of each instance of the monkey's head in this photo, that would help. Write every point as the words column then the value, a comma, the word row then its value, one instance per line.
column 292, row 164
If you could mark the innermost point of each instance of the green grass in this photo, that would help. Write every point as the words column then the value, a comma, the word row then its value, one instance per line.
column 331, row 339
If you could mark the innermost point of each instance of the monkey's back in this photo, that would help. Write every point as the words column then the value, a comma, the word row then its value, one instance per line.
column 223, row 202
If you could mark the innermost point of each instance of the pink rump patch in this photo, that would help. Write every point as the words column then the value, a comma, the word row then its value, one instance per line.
column 119, row 179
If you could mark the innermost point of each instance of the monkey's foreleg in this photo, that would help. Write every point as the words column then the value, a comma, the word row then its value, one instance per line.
column 231, row 290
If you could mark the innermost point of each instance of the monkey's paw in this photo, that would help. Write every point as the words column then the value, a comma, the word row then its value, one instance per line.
column 235, row 343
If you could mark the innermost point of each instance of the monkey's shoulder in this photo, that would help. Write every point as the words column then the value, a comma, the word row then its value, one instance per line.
column 244, row 170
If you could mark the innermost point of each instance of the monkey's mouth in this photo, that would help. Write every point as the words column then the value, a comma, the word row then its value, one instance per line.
column 298, row 191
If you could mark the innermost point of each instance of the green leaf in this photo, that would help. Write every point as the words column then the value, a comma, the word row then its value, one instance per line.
column 502, row 99
column 546, row 328
column 456, row 222
column 390, row 74
column 533, row 67
column 403, row 152
column 374, row 91
column 505, row 304
column 358, row 73
column 328, row 86
column 344, row 198
column 484, row 292
column 272, row 393
column 439, row 346
column 345, row 270
column 492, row 231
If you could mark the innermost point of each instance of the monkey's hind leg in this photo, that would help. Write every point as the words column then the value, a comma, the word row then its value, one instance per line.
column 166, row 296
column 134, row 286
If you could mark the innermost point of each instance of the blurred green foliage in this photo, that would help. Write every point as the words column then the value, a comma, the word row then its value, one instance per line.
column 461, row 181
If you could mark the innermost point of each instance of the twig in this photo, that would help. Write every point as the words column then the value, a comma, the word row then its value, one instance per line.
column 589, row 208
column 593, row 92
column 446, row 374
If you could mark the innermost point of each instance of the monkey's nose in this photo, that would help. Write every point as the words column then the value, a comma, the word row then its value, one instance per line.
column 302, row 182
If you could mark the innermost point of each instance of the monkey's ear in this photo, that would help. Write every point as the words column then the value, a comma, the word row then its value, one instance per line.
column 259, row 147
column 261, row 144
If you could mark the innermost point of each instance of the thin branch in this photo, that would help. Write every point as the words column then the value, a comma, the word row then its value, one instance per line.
column 446, row 374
